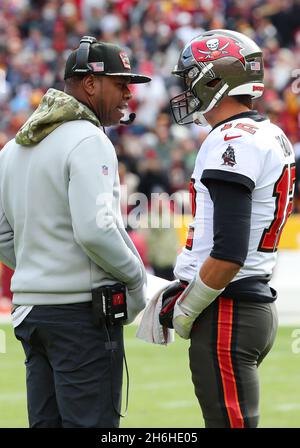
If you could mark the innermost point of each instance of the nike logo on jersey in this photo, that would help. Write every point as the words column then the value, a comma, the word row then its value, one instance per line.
column 230, row 137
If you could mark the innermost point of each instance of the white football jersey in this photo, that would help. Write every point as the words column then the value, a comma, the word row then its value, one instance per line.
column 254, row 152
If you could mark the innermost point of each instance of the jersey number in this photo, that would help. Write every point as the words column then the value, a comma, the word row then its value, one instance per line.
column 283, row 192
column 193, row 194
column 190, row 237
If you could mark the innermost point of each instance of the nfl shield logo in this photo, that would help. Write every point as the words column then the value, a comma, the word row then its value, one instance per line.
column 104, row 170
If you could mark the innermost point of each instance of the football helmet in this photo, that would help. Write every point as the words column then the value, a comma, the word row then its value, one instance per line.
column 213, row 65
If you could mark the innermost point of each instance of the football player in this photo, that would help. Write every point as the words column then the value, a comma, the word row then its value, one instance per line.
column 241, row 196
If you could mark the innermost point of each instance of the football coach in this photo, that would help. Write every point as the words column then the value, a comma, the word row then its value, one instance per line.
column 78, row 277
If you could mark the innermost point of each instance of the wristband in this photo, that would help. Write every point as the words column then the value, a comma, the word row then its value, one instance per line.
column 198, row 296
column 195, row 298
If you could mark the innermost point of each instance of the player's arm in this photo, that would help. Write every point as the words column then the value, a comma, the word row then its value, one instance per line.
column 218, row 273
column 232, row 218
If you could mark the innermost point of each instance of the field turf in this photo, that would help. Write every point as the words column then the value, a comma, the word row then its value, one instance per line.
column 161, row 393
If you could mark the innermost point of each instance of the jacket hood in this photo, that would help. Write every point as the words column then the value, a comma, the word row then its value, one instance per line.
column 55, row 108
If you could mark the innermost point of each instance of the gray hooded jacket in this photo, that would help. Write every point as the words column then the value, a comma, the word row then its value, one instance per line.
column 60, row 223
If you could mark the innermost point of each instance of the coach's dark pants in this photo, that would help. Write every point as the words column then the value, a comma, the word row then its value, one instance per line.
column 73, row 372
column 228, row 342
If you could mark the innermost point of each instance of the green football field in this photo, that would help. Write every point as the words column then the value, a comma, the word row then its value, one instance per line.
column 161, row 393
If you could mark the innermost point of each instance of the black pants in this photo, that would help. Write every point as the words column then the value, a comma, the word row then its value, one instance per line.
column 73, row 368
column 228, row 342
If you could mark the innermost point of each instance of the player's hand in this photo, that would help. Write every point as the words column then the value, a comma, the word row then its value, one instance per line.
column 169, row 297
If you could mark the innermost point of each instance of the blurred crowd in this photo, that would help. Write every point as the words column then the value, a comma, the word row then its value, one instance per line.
column 155, row 155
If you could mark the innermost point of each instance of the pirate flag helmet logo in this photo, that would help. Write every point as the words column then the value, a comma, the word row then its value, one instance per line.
column 215, row 48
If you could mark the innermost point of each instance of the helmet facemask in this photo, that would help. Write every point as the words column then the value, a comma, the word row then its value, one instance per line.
column 184, row 106
column 203, row 89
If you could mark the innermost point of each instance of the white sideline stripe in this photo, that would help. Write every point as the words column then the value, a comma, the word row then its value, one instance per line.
column 12, row 396
column 286, row 281
column 286, row 407
column 5, row 318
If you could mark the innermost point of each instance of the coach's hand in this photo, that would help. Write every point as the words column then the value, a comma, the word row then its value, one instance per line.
column 169, row 297
column 136, row 302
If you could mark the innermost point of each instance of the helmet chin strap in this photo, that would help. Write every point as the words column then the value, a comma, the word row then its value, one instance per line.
column 199, row 118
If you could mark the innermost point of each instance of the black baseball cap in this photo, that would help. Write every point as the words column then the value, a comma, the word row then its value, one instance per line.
column 100, row 58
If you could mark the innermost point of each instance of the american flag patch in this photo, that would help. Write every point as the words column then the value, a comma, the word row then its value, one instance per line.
column 255, row 65
column 97, row 66
column 104, row 170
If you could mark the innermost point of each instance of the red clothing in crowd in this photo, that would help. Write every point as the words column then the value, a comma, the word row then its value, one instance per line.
column 6, row 275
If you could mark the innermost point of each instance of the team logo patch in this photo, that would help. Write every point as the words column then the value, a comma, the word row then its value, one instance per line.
column 211, row 49
column 125, row 60
column 118, row 299
column 229, row 156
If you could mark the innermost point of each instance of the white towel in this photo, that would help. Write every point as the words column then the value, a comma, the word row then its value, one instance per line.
column 149, row 329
